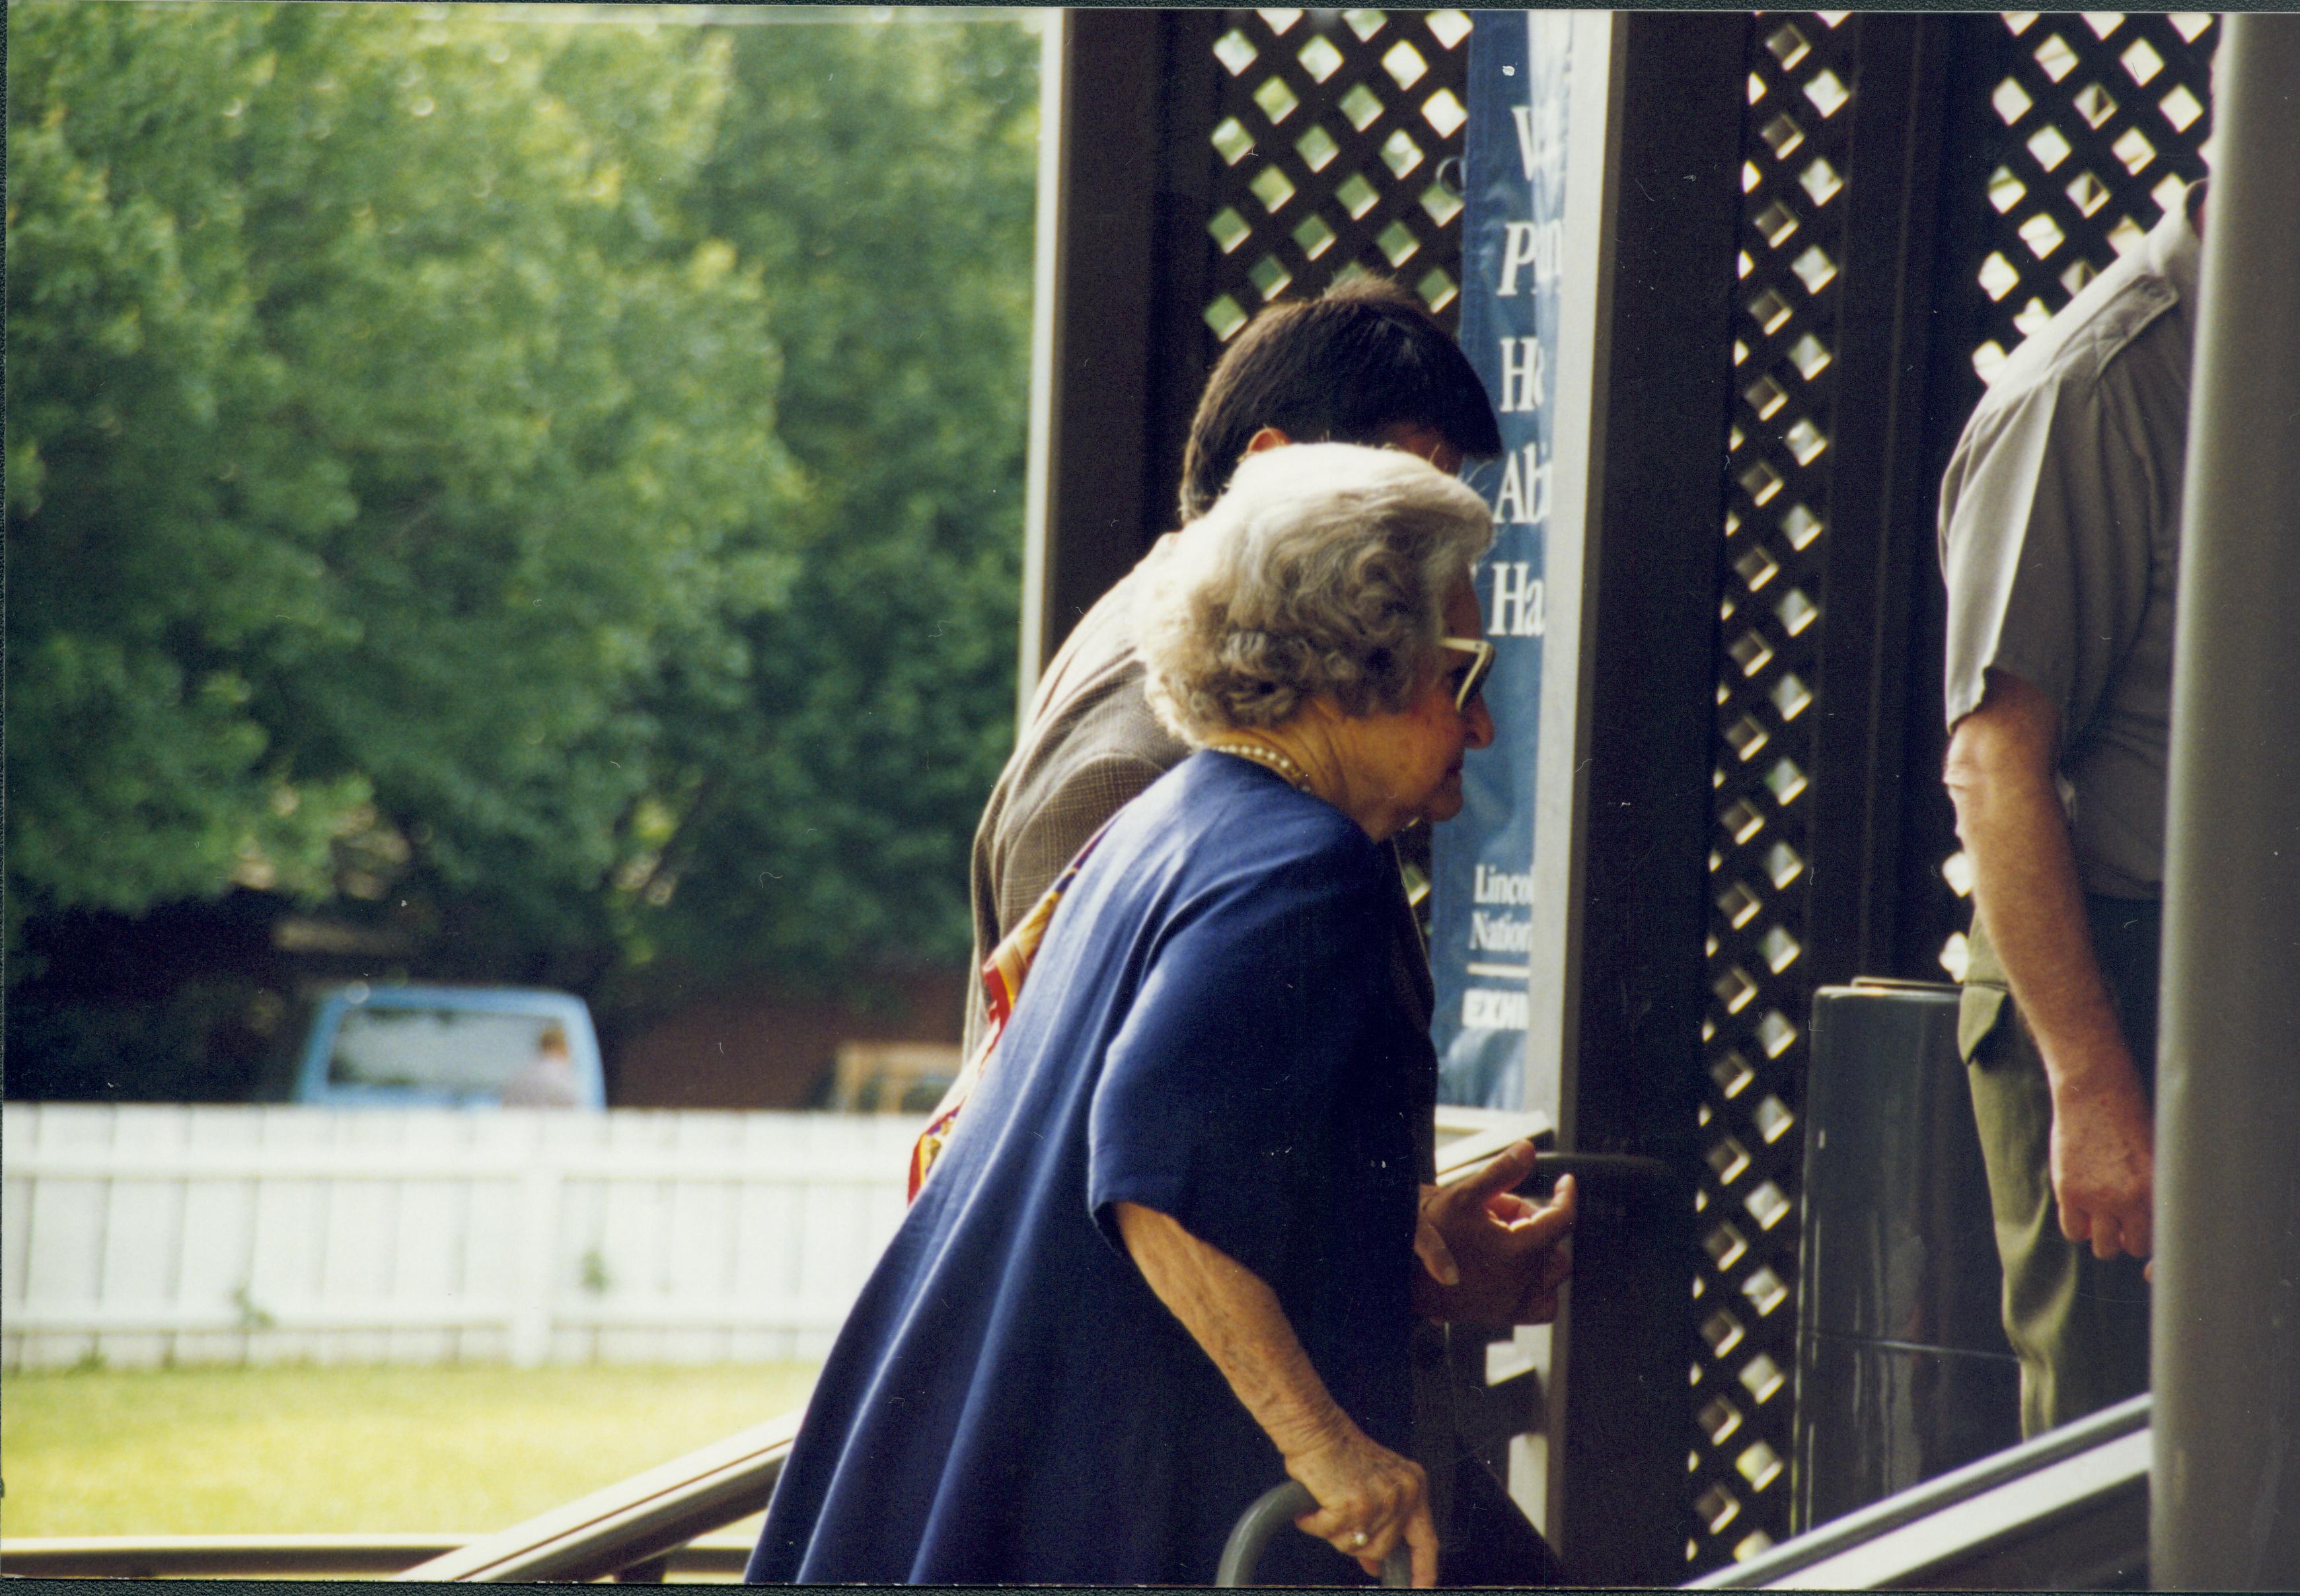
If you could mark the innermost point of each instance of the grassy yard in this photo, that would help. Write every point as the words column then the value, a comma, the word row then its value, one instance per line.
column 206, row 1451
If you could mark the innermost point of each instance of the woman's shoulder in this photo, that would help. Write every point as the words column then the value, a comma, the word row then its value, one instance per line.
column 1232, row 817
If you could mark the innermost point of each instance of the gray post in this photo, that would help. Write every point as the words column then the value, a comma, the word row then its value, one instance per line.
column 2226, row 1509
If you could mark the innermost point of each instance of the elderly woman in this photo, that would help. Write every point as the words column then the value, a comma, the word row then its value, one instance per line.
column 1165, row 1257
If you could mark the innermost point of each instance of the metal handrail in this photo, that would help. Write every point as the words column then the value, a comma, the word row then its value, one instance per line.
column 340, row 1556
column 2084, row 1486
column 217, row 1556
column 1275, row 1510
column 626, row 1527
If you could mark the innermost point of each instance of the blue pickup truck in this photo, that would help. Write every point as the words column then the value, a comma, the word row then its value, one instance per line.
column 408, row 1046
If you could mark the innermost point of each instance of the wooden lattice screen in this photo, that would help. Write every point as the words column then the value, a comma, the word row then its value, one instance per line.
column 1800, row 68
column 1334, row 134
column 2103, row 116
column 2091, row 124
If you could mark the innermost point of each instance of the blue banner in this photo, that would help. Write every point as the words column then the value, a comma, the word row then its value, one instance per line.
column 1514, row 234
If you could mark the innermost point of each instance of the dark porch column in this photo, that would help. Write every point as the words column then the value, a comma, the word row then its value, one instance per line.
column 2227, row 1349
column 1620, row 1403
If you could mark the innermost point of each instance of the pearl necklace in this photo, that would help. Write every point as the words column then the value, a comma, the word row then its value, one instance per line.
column 1295, row 775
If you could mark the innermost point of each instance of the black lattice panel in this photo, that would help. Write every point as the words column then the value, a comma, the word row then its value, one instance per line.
column 2098, row 122
column 1794, row 142
column 2103, row 115
column 1331, row 129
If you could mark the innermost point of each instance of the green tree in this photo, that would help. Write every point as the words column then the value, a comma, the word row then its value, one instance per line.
column 377, row 431
column 556, row 410
column 161, row 530
column 882, row 178
column 552, row 486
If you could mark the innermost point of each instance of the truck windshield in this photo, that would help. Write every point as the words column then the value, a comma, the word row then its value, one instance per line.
column 437, row 1049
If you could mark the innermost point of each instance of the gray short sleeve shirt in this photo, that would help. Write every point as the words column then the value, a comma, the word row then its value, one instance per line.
column 2060, row 523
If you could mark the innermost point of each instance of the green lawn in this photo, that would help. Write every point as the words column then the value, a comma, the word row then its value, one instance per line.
column 208, row 1451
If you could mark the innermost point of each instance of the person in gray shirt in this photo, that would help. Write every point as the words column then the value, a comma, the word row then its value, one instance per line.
column 2060, row 529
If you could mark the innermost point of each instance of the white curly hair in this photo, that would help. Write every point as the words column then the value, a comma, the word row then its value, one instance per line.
column 1322, row 573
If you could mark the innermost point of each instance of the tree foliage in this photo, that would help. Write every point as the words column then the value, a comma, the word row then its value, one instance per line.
column 883, row 180
column 551, row 486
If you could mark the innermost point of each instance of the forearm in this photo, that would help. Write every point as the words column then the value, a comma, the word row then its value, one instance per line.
column 2031, row 903
column 2028, row 896
column 1236, row 1318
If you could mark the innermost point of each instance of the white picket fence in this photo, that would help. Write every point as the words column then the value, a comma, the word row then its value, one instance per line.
column 144, row 1234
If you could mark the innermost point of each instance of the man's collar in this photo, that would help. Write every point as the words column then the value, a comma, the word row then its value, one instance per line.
column 2172, row 249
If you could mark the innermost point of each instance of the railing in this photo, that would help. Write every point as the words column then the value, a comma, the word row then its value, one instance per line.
column 629, row 1530
column 217, row 1556
column 637, row 1530
column 2068, row 1510
column 283, row 1557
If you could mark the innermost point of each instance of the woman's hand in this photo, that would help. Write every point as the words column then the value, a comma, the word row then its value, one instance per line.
column 1368, row 1499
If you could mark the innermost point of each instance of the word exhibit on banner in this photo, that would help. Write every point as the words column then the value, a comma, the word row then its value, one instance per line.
column 1486, row 1009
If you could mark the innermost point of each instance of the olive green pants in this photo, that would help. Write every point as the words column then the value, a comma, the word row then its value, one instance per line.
column 2080, row 1325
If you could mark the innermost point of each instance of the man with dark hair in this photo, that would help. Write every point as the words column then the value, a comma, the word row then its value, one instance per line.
column 1350, row 367
column 1365, row 363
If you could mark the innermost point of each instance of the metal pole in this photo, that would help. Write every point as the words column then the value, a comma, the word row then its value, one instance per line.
column 2226, row 1510
column 1046, row 345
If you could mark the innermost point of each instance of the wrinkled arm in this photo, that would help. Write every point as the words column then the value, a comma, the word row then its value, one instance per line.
column 1360, row 1487
column 2001, row 764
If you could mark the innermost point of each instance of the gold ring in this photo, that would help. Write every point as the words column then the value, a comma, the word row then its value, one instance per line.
column 1360, row 1538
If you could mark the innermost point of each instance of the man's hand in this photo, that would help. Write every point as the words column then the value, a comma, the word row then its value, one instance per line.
column 2103, row 1169
column 1488, row 1256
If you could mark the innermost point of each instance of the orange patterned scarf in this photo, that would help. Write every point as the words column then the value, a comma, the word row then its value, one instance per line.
column 1002, row 986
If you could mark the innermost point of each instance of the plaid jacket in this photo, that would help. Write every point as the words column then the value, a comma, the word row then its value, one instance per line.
column 1090, row 744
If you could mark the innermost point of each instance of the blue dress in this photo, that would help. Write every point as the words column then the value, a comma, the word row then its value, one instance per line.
column 1205, row 1032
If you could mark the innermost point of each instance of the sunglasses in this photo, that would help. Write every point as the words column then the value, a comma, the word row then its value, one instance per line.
column 1481, row 662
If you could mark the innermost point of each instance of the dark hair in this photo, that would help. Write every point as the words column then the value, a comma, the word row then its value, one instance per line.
column 1344, row 368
